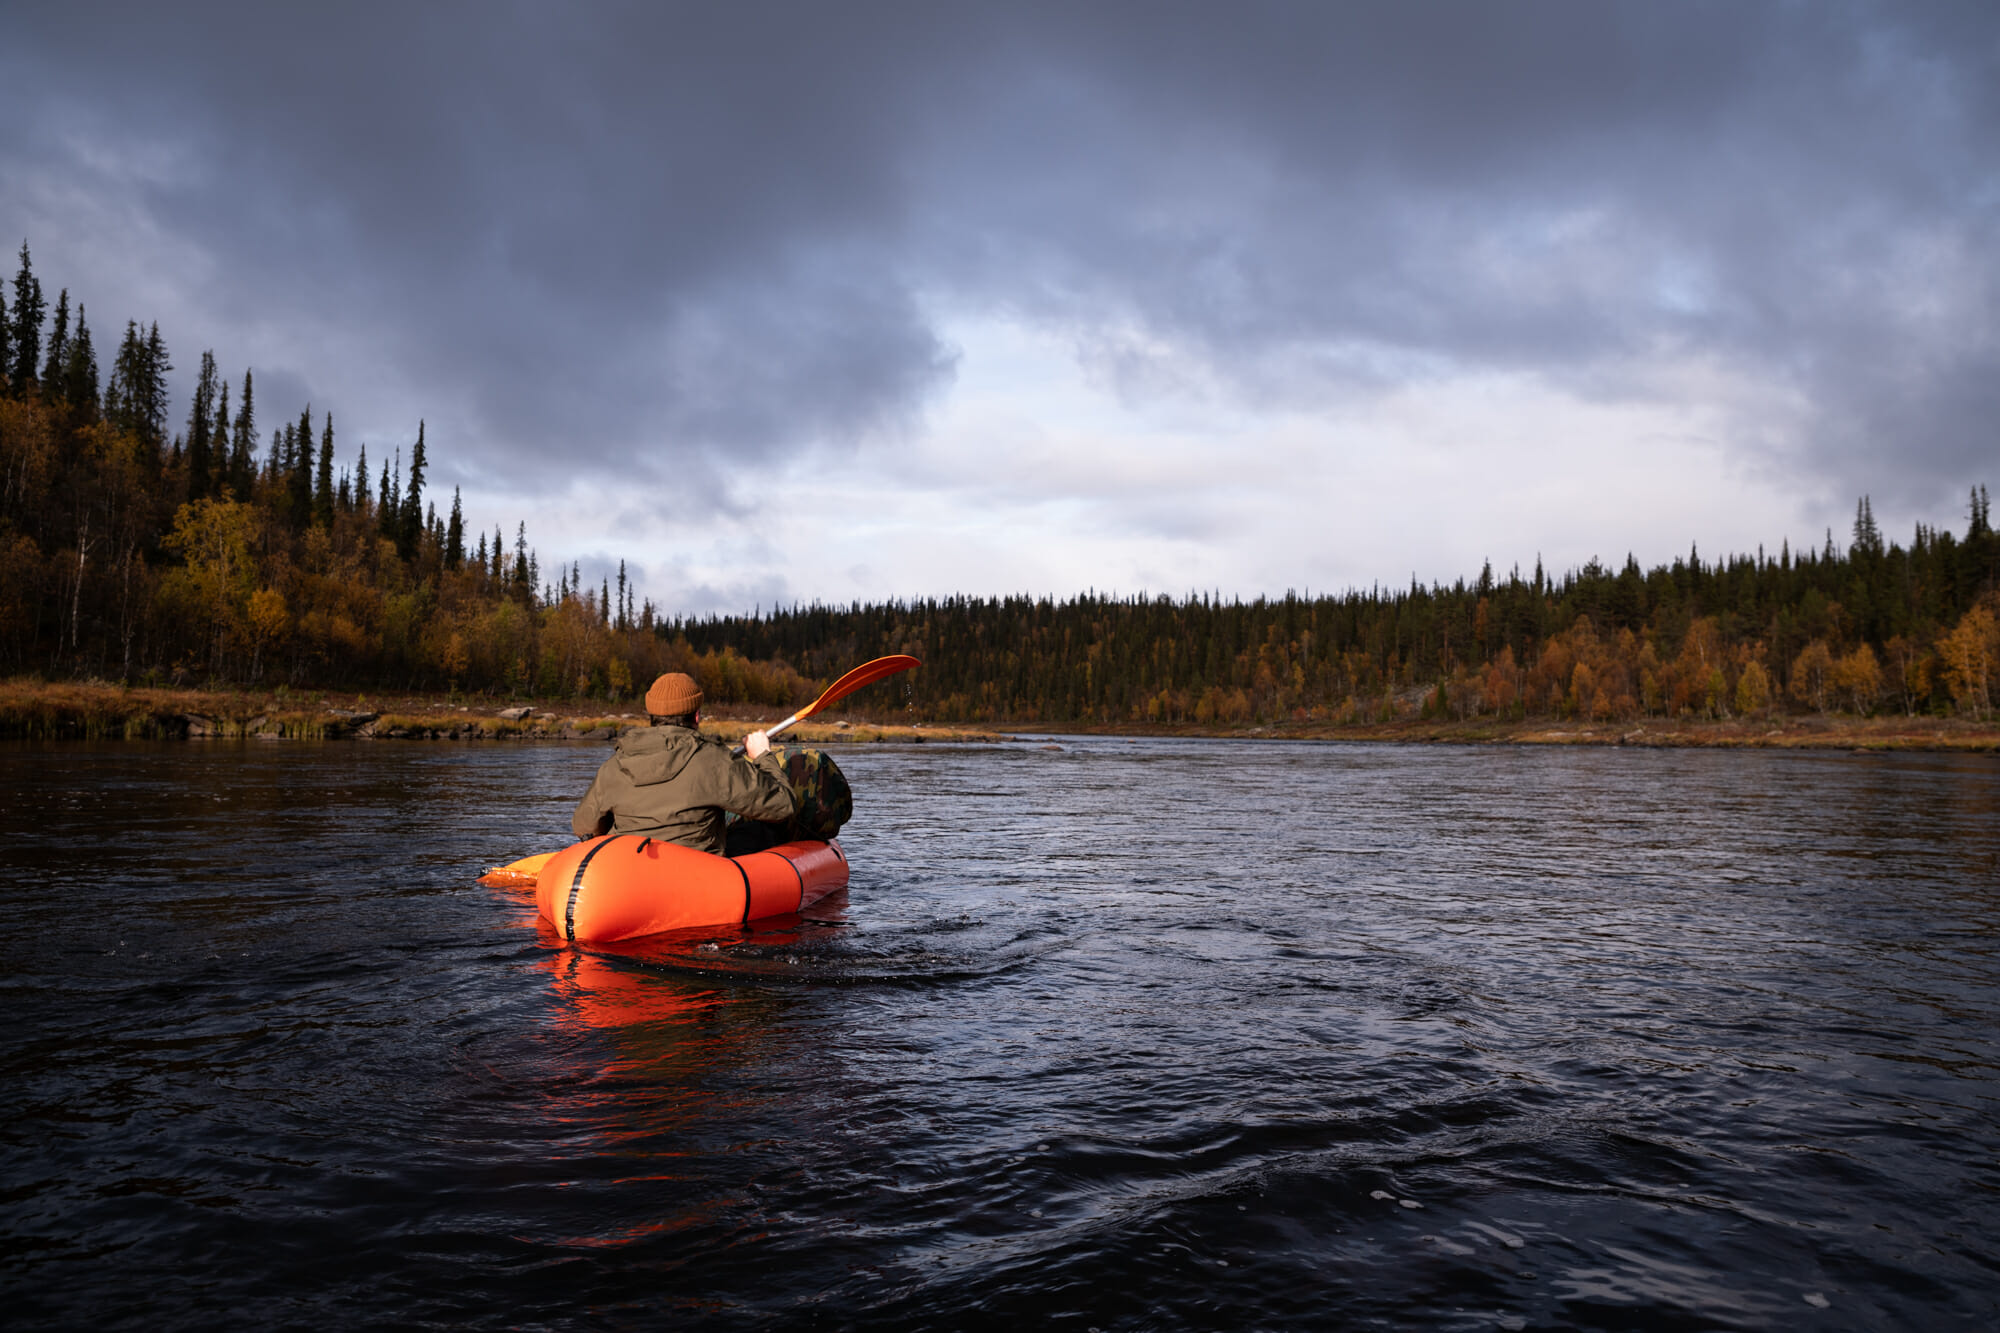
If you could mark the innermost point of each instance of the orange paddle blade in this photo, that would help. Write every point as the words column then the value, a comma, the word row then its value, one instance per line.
column 518, row 874
column 865, row 674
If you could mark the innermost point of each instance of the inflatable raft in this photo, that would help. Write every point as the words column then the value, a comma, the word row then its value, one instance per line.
column 622, row 886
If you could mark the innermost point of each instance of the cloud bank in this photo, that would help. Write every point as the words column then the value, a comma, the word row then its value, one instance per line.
column 1205, row 271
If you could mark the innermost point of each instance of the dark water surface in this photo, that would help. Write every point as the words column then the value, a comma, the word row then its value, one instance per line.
column 1121, row 1035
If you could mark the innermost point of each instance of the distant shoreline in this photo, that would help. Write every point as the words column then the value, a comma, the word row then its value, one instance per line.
column 31, row 709
column 94, row 710
column 1832, row 732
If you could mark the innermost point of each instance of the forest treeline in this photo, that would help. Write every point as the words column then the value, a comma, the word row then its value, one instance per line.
column 215, row 554
column 1874, row 626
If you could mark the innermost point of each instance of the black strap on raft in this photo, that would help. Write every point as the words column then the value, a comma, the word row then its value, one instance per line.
column 576, row 887
column 746, row 886
column 798, row 875
column 643, row 845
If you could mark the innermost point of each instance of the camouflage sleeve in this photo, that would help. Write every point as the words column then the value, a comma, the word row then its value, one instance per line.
column 755, row 790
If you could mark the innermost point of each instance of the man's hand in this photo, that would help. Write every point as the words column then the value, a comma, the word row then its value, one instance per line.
column 756, row 743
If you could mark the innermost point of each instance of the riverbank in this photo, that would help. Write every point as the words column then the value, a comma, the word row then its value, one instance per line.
column 93, row 710
column 1811, row 732
column 99, row 710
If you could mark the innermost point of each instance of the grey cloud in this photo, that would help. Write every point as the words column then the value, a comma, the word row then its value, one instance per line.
column 662, row 238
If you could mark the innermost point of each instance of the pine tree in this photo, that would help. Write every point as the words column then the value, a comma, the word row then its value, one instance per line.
column 29, row 309
column 604, row 602
column 522, row 575
column 622, row 593
column 454, row 535
column 323, row 488
column 361, row 481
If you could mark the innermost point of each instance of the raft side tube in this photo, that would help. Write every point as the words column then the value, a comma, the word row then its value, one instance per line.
column 625, row 885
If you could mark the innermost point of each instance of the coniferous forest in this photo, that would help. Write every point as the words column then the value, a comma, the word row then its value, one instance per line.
column 217, row 551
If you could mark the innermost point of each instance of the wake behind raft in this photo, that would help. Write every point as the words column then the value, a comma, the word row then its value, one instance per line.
column 622, row 886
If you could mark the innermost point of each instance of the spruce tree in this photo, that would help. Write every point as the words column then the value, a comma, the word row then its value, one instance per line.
column 201, row 414
column 454, row 535
column 389, row 507
column 52, row 372
column 29, row 308
column 152, row 400
column 119, row 406
column 413, row 500
column 6, row 334
column 80, row 369
column 218, row 443
column 243, row 443
column 361, row 481
column 323, row 489
column 137, row 399
column 299, row 483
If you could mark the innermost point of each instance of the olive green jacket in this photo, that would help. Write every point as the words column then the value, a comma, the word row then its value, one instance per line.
column 674, row 783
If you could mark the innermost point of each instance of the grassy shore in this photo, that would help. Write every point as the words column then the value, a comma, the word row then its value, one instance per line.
column 84, row 710
column 91, row 709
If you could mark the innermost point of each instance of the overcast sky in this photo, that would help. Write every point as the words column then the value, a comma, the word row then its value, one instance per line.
column 827, row 301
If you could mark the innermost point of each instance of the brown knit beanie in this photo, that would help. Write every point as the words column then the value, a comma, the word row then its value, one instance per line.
column 673, row 694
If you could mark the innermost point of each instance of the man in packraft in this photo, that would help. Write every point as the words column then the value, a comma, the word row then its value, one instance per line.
column 668, row 781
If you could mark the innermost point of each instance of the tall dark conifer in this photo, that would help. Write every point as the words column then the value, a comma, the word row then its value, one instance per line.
column 153, row 404
column 218, row 443
column 201, row 414
column 52, row 369
column 80, row 369
column 299, row 484
column 389, row 506
column 243, row 443
column 454, row 535
column 323, row 487
column 413, row 500
column 29, row 310
column 137, row 398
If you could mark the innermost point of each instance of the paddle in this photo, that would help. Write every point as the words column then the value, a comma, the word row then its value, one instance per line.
column 865, row 674
column 522, row 873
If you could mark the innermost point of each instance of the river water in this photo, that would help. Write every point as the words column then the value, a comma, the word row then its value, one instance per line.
column 1105, row 1034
